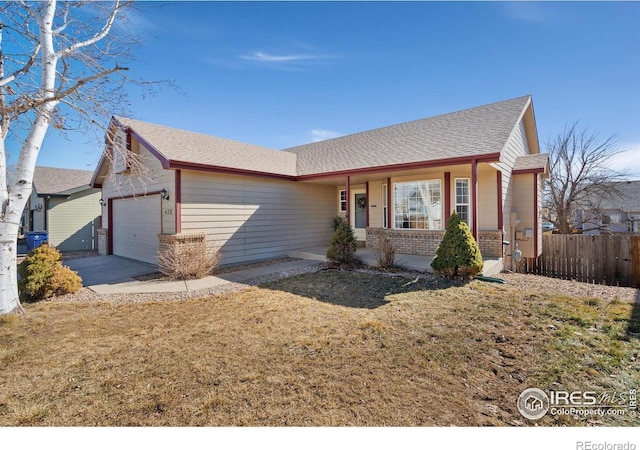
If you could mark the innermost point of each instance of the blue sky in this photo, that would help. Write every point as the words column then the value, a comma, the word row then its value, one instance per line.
column 287, row 73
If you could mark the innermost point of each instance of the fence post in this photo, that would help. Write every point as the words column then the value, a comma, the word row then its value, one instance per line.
column 634, row 261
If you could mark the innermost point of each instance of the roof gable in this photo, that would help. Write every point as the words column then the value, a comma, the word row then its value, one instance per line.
column 483, row 130
column 174, row 146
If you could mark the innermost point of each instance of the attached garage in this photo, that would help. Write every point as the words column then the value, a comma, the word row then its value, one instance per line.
column 136, row 225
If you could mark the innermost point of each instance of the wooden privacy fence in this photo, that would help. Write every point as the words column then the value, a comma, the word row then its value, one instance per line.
column 602, row 259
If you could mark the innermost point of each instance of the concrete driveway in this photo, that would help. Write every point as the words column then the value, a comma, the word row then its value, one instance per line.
column 109, row 269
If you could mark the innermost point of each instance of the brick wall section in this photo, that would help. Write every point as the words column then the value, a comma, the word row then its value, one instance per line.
column 103, row 241
column 490, row 243
column 174, row 241
column 425, row 242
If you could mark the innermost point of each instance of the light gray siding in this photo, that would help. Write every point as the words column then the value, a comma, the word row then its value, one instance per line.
column 73, row 221
column 523, row 205
column 516, row 146
column 253, row 218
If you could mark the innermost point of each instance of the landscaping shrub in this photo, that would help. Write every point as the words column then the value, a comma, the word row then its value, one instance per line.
column 42, row 275
column 190, row 259
column 385, row 253
column 458, row 255
column 342, row 246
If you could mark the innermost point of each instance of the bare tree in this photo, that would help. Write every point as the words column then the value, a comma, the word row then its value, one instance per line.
column 58, row 67
column 580, row 177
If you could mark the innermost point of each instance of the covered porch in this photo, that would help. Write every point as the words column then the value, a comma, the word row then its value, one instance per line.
column 410, row 206
column 367, row 255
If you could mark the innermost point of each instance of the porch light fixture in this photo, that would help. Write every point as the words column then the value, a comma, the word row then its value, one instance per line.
column 164, row 194
column 102, row 202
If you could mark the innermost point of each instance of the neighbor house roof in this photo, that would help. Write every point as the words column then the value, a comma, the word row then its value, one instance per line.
column 477, row 131
column 55, row 181
column 480, row 133
column 177, row 148
column 629, row 199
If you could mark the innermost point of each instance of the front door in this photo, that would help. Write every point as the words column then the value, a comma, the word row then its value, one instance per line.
column 359, row 216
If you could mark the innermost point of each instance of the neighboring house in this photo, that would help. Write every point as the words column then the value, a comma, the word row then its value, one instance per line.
column 401, row 181
column 66, row 206
column 620, row 214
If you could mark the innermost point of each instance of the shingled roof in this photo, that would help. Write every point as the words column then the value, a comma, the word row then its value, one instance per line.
column 471, row 132
column 179, row 146
column 531, row 163
column 55, row 181
column 628, row 199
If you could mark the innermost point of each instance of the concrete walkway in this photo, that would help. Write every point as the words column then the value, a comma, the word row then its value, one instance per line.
column 116, row 275
column 368, row 256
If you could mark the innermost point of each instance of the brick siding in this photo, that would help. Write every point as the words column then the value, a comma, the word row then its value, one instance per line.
column 425, row 242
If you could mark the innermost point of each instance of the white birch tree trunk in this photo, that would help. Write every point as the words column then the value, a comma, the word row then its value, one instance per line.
column 15, row 192
column 83, row 63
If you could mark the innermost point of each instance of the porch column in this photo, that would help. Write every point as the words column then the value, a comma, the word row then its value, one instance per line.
column 474, row 197
column 447, row 197
column 535, row 215
column 367, row 210
column 389, row 225
column 178, row 200
column 499, row 190
column 348, row 193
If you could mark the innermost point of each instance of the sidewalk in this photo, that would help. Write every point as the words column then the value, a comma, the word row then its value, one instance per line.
column 157, row 286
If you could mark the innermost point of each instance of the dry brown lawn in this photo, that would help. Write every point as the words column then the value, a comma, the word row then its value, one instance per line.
column 333, row 348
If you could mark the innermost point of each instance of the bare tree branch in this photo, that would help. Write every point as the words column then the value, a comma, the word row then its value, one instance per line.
column 98, row 36
column 580, row 178
column 30, row 104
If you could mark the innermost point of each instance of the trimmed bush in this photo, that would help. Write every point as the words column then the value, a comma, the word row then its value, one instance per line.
column 385, row 253
column 458, row 255
column 42, row 275
column 342, row 246
column 189, row 259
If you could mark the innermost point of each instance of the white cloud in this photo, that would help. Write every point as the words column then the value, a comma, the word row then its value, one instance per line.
column 266, row 57
column 297, row 61
column 628, row 161
column 318, row 134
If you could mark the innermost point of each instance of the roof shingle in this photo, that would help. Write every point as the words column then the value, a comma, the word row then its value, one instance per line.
column 476, row 131
column 52, row 180
column 196, row 148
column 531, row 162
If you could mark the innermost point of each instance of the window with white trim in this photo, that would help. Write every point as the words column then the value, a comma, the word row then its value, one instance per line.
column 343, row 200
column 418, row 205
column 463, row 197
column 385, row 215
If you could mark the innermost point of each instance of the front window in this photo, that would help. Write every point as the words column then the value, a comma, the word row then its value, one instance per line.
column 418, row 205
column 462, row 199
column 343, row 200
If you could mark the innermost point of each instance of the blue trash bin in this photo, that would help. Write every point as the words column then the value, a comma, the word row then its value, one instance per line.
column 35, row 239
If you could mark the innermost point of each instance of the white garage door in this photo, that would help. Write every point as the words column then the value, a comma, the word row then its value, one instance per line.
column 136, row 225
